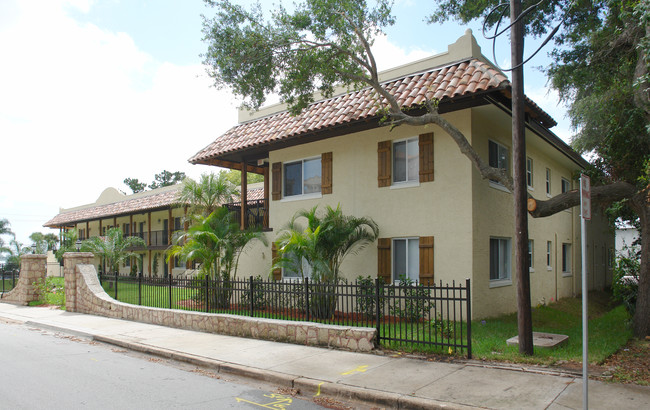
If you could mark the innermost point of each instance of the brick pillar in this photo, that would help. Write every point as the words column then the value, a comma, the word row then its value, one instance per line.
column 32, row 268
column 70, row 262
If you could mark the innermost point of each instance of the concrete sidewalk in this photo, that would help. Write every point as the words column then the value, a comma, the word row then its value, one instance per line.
column 385, row 381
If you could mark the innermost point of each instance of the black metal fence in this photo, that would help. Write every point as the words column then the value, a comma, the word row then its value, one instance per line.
column 421, row 318
column 8, row 277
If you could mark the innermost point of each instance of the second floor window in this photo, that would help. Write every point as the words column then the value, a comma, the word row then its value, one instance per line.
column 406, row 161
column 498, row 156
column 302, row 177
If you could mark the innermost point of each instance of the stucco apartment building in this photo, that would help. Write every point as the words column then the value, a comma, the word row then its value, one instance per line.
column 438, row 219
column 151, row 215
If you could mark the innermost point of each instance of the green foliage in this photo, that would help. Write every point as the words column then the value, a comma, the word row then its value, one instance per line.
column 413, row 300
column 234, row 177
column 135, row 185
column 626, row 278
column 324, row 243
column 366, row 301
column 51, row 291
column 208, row 194
column 162, row 179
column 113, row 248
column 217, row 243
column 317, row 46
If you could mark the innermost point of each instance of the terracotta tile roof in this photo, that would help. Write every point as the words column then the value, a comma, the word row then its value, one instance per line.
column 442, row 83
column 146, row 203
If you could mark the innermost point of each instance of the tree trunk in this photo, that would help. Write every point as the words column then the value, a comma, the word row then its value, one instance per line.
column 642, row 313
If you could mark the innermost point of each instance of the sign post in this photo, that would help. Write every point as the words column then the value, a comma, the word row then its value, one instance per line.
column 585, row 215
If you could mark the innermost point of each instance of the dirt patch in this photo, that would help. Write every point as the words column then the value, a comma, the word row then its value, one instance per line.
column 631, row 365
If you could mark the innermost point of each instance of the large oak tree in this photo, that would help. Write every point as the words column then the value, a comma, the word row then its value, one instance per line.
column 600, row 69
column 321, row 44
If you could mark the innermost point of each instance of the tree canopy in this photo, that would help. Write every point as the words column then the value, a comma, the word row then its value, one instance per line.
column 600, row 69
column 164, row 178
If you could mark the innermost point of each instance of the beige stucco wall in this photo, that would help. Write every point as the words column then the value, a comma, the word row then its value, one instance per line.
column 439, row 208
column 493, row 217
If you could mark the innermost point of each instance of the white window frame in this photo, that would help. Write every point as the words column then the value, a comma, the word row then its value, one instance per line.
column 504, row 279
column 566, row 259
column 307, row 272
column 548, row 182
column 500, row 146
column 531, row 255
column 529, row 173
column 415, row 181
column 302, row 195
column 549, row 255
column 408, row 240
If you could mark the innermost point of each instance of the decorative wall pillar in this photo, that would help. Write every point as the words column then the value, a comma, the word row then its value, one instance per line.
column 70, row 262
column 32, row 269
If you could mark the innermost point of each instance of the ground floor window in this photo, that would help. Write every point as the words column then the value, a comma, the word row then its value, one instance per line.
column 531, row 254
column 406, row 259
column 296, row 269
column 566, row 258
column 549, row 250
column 500, row 260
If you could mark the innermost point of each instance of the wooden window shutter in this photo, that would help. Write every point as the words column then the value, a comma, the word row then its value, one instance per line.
column 277, row 273
column 426, row 157
column 384, row 163
column 384, row 267
column 276, row 171
column 426, row 260
column 326, row 173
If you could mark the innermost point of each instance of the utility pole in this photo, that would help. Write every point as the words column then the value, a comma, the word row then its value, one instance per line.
column 524, row 315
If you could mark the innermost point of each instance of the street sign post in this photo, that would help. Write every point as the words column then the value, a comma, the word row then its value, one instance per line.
column 585, row 215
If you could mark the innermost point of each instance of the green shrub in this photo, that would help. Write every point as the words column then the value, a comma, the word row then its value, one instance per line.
column 413, row 303
column 366, row 300
column 50, row 291
column 626, row 278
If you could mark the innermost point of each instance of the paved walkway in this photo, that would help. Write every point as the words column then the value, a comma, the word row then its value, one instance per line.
column 386, row 381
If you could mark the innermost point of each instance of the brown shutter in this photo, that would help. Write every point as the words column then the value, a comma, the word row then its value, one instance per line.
column 277, row 273
column 426, row 260
column 276, row 171
column 426, row 157
column 383, row 163
column 326, row 173
column 384, row 267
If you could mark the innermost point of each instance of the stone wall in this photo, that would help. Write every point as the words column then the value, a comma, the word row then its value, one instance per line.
column 32, row 268
column 85, row 294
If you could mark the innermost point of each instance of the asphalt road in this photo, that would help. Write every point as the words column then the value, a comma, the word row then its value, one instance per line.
column 47, row 370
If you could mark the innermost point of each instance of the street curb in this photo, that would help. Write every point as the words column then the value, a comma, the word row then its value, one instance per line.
column 304, row 385
column 54, row 328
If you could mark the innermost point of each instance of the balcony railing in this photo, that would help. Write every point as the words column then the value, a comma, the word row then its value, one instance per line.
column 257, row 213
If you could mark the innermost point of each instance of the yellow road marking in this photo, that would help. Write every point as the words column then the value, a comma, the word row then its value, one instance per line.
column 359, row 369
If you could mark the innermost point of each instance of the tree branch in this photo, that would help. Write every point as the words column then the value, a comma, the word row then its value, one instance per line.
column 603, row 194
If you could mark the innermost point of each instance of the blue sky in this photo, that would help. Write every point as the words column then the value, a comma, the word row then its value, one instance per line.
column 94, row 91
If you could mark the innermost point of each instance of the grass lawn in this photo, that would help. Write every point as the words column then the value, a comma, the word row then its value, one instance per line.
column 51, row 292
column 608, row 332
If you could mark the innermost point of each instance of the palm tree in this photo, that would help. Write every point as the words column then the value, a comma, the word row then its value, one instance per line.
column 113, row 248
column 216, row 242
column 4, row 228
column 323, row 245
column 208, row 194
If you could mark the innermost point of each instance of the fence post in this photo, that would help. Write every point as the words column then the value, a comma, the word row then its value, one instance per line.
column 140, row 289
column 377, row 310
column 469, row 318
column 207, row 289
column 116, row 285
column 307, row 298
column 250, row 281
column 170, row 289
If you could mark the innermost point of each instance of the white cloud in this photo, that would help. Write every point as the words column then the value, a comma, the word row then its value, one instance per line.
column 389, row 55
column 82, row 108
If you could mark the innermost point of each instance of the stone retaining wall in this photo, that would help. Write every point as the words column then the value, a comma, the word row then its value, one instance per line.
column 32, row 268
column 85, row 294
